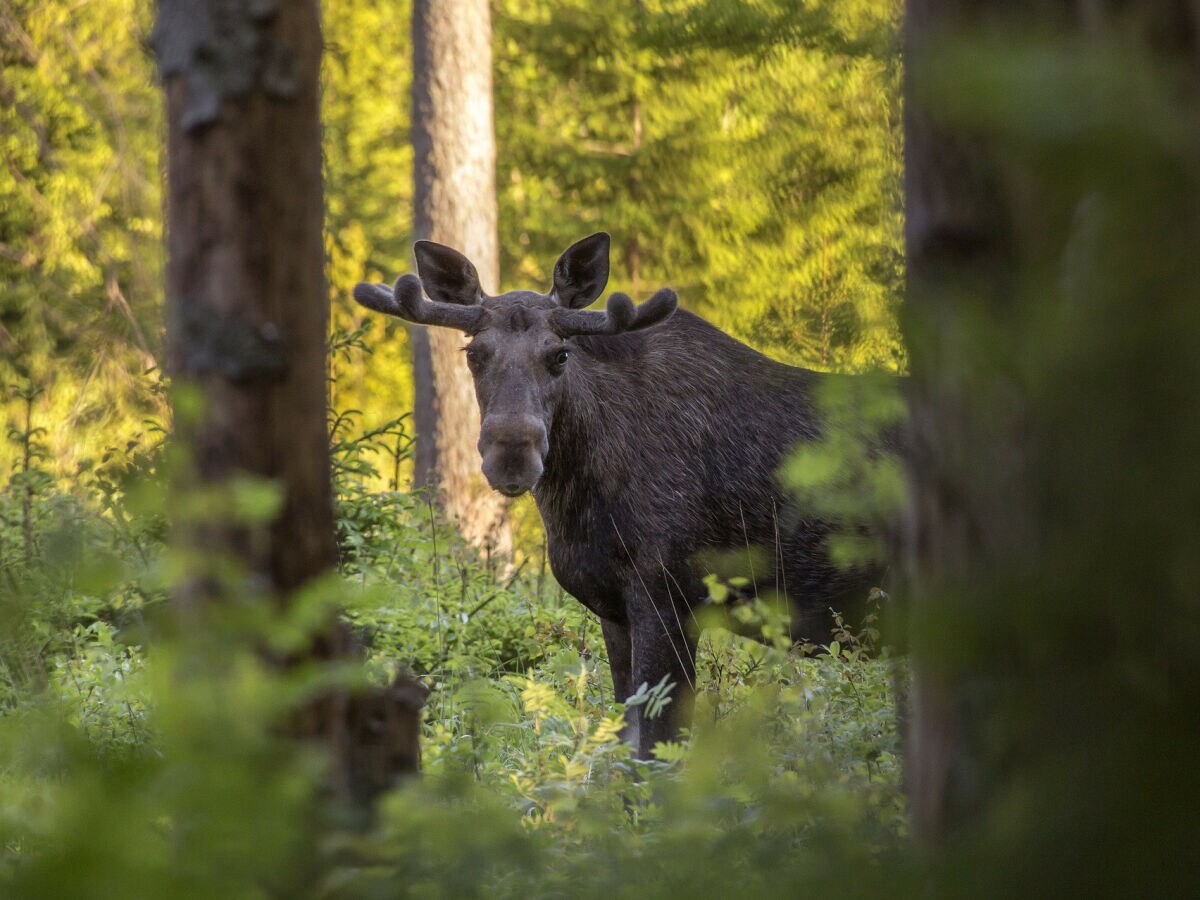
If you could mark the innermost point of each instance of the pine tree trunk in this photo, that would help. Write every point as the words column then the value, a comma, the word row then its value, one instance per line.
column 455, row 204
column 247, row 302
column 247, row 306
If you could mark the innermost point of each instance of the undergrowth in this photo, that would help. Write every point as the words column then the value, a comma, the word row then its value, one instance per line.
column 139, row 759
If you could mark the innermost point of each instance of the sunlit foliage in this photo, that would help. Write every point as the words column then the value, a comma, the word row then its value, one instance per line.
column 80, row 223
column 366, row 76
column 747, row 154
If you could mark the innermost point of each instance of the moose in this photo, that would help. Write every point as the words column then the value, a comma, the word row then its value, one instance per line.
column 649, row 438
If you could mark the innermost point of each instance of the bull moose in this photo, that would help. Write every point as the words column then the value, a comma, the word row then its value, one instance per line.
column 648, row 438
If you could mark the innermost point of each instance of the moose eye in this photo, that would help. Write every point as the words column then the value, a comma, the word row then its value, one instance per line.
column 558, row 360
column 474, row 357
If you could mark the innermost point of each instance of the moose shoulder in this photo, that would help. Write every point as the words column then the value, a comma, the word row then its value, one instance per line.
column 648, row 439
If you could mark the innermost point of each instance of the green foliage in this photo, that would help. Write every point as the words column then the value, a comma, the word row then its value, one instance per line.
column 58, row 553
column 170, row 737
column 747, row 154
column 80, row 220
column 790, row 777
column 852, row 477
column 366, row 74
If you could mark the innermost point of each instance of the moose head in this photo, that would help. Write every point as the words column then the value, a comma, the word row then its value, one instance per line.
column 521, row 343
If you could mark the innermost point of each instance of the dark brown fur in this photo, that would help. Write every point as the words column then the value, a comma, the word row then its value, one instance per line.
column 645, row 451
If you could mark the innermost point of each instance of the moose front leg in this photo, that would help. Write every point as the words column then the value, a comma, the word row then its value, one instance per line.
column 662, row 645
column 619, row 645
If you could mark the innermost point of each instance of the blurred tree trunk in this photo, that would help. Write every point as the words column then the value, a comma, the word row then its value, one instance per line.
column 247, row 310
column 1049, row 271
column 454, row 170
column 954, row 230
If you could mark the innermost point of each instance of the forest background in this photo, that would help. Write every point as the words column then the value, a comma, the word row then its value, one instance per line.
column 746, row 154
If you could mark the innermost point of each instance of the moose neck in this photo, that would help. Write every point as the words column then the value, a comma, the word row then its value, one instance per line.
column 595, row 425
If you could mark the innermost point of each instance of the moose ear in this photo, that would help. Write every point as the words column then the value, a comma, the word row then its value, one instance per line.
column 446, row 275
column 582, row 271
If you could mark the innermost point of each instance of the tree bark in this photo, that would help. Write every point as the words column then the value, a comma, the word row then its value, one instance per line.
column 247, row 308
column 455, row 204
column 247, row 303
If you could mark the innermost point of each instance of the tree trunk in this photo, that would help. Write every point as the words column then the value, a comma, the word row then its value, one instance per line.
column 956, row 245
column 1051, row 264
column 455, row 204
column 247, row 303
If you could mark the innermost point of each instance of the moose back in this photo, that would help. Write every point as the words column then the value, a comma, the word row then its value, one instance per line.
column 649, row 439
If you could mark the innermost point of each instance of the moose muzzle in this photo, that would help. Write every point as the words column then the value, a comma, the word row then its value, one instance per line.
column 513, row 448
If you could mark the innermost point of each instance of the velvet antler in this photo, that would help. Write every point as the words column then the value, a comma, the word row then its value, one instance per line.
column 406, row 301
column 620, row 316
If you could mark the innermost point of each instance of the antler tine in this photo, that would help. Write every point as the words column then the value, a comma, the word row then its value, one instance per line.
column 407, row 301
column 620, row 315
